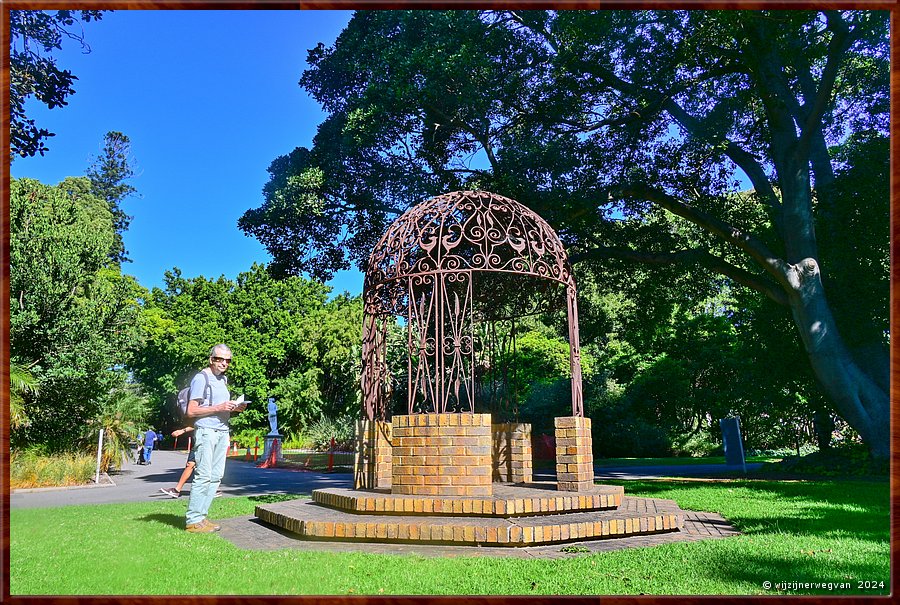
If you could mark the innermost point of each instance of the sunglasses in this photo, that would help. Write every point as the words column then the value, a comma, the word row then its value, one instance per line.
column 221, row 359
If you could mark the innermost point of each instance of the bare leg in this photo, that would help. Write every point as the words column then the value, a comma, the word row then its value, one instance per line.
column 185, row 475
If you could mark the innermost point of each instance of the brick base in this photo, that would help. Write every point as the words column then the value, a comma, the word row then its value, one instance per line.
column 441, row 455
column 574, row 457
column 313, row 520
column 511, row 452
column 372, row 464
column 507, row 501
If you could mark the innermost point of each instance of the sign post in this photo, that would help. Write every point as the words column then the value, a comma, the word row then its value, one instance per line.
column 99, row 452
column 734, row 446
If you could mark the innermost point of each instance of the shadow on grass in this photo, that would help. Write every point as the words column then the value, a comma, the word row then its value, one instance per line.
column 820, row 508
column 176, row 521
column 754, row 569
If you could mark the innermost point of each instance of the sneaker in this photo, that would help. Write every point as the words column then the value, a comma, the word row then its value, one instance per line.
column 212, row 525
column 201, row 528
column 170, row 492
column 218, row 495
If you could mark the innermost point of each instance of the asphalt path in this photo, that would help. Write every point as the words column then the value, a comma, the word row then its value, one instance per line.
column 660, row 472
column 135, row 483
column 630, row 473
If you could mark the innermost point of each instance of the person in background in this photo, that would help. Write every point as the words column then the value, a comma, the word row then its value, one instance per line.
column 175, row 492
column 188, row 467
column 150, row 438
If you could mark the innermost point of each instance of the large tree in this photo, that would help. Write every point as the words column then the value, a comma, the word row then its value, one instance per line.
column 625, row 129
column 34, row 73
column 73, row 318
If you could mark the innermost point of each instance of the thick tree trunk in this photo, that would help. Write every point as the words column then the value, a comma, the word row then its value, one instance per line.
column 857, row 398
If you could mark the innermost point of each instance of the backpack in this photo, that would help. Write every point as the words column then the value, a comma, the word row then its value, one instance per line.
column 184, row 395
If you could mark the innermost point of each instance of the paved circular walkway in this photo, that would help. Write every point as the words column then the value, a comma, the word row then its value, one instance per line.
column 249, row 533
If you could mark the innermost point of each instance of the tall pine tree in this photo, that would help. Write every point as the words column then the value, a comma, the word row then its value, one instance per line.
column 108, row 174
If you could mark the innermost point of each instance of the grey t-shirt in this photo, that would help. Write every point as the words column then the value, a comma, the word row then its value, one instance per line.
column 219, row 393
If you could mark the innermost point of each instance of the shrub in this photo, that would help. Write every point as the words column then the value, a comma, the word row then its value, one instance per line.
column 846, row 460
column 297, row 442
column 700, row 444
column 34, row 468
column 320, row 432
column 617, row 431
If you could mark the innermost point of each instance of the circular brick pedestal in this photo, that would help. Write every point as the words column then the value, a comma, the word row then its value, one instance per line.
column 441, row 455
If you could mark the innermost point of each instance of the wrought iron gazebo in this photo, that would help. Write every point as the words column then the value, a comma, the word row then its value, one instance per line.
column 446, row 265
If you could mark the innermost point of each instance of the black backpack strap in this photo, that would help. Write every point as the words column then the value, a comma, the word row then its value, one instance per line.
column 206, row 378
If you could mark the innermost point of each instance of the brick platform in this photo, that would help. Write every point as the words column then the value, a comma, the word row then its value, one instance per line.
column 441, row 455
column 574, row 456
column 309, row 520
column 506, row 501
column 249, row 533
column 511, row 455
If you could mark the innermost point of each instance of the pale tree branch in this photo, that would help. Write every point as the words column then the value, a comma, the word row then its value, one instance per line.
column 693, row 256
column 482, row 138
column 746, row 242
column 840, row 42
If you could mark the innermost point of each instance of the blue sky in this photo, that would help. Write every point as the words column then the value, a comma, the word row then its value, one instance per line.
column 208, row 99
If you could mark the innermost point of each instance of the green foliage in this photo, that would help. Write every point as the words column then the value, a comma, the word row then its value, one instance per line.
column 616, row 430
column 297, row 442
column 33, row 72
column 588, row 117
column 532, row 381
column 300, row 399
column 665, row 384
column 249, row 438
column 108, row 174
column 121, row 415
column 75, row 317
column 288, row 341
column 33, row 467
column 848, row 460
column 854, row 236
column 342, row 429
column 21, row 382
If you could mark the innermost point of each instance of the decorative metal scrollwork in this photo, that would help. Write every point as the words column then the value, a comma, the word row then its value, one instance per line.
column 445, row 264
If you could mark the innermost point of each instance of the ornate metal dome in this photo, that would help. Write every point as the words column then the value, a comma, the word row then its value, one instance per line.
column 467, row 231
column 450, row 262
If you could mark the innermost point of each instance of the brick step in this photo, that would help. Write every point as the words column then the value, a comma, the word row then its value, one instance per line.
column 507, row 500
column 309, row 520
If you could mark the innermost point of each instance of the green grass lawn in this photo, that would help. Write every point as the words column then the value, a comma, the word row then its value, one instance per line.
column 816, row 531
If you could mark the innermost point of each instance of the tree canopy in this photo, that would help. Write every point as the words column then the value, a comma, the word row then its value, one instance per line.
column 626, row 130
column 73, row 318
column 34, row 73
column 108, row 173
column 288, row 340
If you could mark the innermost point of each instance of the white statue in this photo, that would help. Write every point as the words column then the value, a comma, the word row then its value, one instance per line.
column 273, row 416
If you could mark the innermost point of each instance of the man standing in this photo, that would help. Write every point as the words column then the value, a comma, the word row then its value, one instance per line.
column 210, row 407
